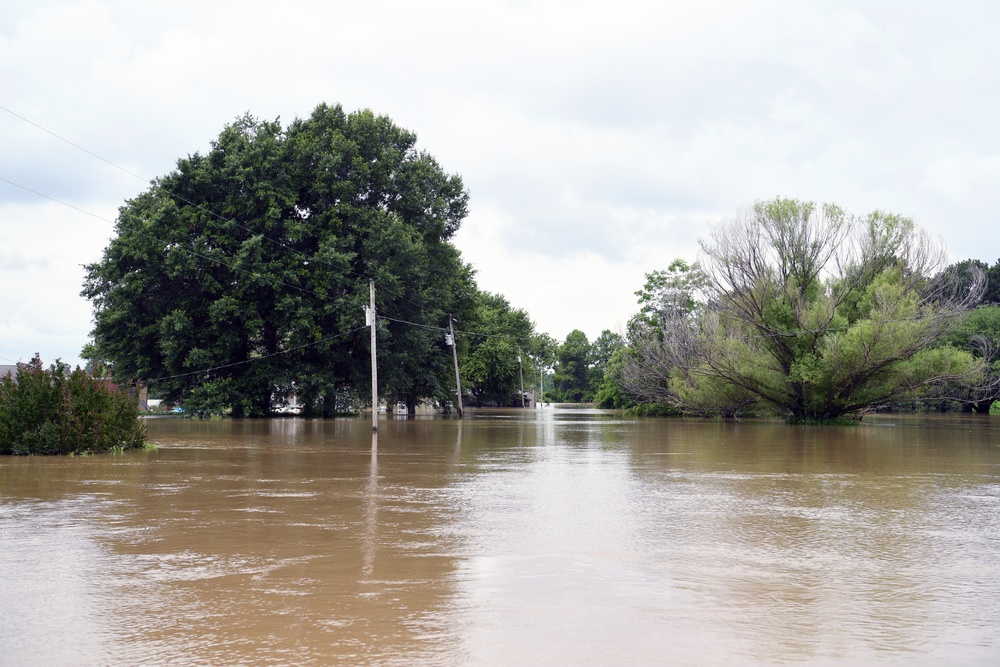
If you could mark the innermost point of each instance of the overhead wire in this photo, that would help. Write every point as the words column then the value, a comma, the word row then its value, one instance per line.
column 167, row 246
column 309, row 257
column 260, row 358
column 200, row 207
column 173, row 195
column 458, row 331
column 77, row 146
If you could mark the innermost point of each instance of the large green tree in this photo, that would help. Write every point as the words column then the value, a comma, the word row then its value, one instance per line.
column 245, row 270
column 572, row 376
column 491, row 341
column 602, row 351
column 816, row 314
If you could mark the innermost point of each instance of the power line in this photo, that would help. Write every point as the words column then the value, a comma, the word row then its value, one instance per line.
column 77, row 146
column 184, row 200
column 166, row 245
column 261, row 358
column 200, row 207
column 145, row 180
column 45, row 196
column 458, row 331
column 430, row 327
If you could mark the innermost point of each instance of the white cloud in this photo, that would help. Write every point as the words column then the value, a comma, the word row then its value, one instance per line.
column 961, row 178
column 41, row 272
column 580, row 290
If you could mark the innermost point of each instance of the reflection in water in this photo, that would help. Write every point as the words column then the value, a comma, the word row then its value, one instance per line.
column 371, row 512
column 521, row 537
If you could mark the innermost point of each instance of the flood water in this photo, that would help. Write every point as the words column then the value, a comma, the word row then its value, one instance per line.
column 553, row 537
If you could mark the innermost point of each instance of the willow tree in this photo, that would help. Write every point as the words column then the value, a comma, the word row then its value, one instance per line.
column 817, row 314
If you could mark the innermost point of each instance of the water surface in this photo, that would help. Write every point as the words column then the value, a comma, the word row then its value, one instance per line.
column 528, row 537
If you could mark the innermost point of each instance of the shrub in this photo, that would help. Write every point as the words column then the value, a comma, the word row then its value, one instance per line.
column 56, row 411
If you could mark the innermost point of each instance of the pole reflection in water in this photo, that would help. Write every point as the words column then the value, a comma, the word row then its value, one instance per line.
column 370, row 541
column 524, row 537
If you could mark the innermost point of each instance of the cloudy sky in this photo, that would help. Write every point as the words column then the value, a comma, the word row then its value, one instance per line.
column 598, row 140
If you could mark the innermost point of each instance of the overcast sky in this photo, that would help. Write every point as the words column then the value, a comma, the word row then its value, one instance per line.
column 598, row 140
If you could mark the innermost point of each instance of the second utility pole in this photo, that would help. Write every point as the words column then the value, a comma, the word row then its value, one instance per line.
column 458, row 380
column 520, row 372
column 371, row 321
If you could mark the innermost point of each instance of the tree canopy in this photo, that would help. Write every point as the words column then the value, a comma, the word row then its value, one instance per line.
column 667, row 294
column 245, row 270
column 640, row 373
column 580, row 366
column 496, row 336
column 812, row 312
column 572, row 370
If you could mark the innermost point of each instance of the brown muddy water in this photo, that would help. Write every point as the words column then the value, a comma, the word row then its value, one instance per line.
column 553, row 537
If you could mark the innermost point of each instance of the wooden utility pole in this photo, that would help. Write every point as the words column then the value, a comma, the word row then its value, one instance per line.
column 541, row 386
column 520, row 372
column 454, row 354
column 370, row 316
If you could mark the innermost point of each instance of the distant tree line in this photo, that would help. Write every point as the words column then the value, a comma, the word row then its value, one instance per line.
column 580, row 366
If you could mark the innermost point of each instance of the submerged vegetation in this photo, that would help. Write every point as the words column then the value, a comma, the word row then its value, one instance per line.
column 58, row 411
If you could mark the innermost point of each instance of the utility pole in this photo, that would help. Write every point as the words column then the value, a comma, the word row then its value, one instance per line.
column 520, row 372
column 450, row 339
column 370, row 317
column 541, row 386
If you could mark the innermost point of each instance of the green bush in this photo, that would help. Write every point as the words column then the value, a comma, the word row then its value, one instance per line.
column 56, row 411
